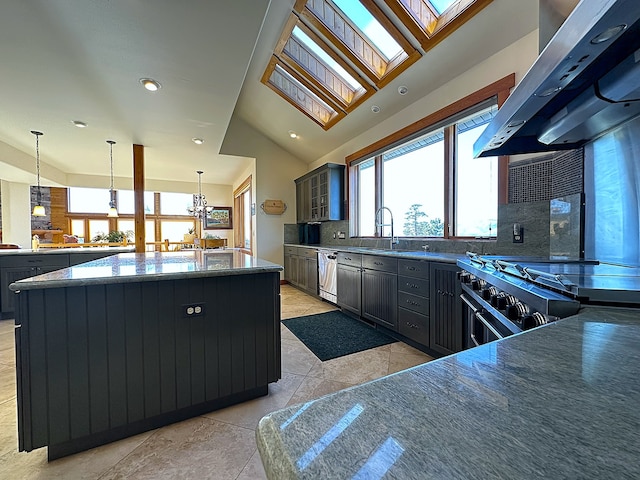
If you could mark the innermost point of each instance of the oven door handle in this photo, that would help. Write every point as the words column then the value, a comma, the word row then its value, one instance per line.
column 469, row 304
column 486, row 323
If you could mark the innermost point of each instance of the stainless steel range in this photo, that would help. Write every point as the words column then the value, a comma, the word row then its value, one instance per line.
column 502, row 297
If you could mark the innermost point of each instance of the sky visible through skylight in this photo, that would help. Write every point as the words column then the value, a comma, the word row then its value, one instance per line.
column 370, row 27
column 320, row 53
column 441, row 5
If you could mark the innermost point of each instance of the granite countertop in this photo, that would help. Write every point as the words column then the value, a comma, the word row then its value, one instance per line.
column 152, row 266
column 558, row 401
column 408, row 254
column 53, row 251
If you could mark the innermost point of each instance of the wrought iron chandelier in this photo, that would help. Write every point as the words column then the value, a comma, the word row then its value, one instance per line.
column 199, row 208
column 38, row 209
column 113, row 210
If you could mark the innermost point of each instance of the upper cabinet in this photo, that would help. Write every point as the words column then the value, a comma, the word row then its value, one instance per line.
column 320, row 194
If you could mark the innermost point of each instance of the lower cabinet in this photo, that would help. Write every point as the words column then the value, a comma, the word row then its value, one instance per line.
column 349, row 282
column 379, row 298
column 301, row 268
column 445, row 330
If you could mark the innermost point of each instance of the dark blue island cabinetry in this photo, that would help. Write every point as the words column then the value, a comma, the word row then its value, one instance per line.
column 160, row 338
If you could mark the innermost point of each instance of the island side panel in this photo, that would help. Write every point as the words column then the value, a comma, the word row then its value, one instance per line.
column 120, row 353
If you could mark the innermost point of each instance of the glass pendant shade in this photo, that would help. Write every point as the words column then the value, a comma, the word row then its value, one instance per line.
column 38, row 209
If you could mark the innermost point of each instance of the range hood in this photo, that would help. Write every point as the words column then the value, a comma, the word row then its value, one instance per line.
column 585, row 82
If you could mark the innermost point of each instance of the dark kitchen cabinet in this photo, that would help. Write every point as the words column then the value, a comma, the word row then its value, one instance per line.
column 16, row 266
column 320, row 194
column 301, row 268
column 413, row 300
column 380, row 290
column 445, row 332
column 349, row 282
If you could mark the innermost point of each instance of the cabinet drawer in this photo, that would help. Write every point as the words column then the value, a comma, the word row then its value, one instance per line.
column 291, row 250
column 414, row 326
column 413, row 268
column 60, row 260
column 308, row 252
column 383, row 264
column 353, row 259
column 413, row 285
column 413, row 302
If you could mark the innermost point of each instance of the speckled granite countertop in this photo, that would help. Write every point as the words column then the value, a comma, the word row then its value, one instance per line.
column 53, row 251
column 559, row 401
column 153, row 266
column 408, row 254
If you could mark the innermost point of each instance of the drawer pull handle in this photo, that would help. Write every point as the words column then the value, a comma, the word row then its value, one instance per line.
column 411, row 325
column 411, row 302
column 413, row 269
column 412, row 285
column 378, row 263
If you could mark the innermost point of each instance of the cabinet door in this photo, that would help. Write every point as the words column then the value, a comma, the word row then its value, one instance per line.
column 315, row 198
column 380, row 297
column 312, row 275
column 303, row 199
column 287, row 267
column 446, row 309
column 8, row 275
column 349, row 288
column 302, row 272
column 293, row 262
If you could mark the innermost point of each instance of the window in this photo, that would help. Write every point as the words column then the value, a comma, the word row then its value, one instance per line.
column 175, row 203
column 126, row 202
column 242, row 216
column 427, row 176
column 89, row 200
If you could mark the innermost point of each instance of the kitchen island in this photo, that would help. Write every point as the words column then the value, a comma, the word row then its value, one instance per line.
column 559, row 401
column 131, row 342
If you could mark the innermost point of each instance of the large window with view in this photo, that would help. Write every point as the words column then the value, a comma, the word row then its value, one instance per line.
column 414, row 175
column 427, row 176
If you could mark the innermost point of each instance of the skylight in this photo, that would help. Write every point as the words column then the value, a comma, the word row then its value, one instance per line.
column 441, row 5
column 300, row 35
column 368, row 25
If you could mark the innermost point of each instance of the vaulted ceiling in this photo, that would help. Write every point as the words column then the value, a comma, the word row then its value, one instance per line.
column 66, row 60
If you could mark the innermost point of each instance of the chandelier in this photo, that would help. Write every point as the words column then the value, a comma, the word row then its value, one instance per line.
column 199, row 208
column 38, row 209
column 113, row 210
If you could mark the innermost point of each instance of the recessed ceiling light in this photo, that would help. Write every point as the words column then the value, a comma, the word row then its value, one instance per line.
column 197, row 141
column 403, row 89
column 79, row 124
column 150, row 84
column 293, row 134
column 375, row 108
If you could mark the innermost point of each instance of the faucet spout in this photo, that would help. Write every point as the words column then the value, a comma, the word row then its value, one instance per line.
column 381, row 224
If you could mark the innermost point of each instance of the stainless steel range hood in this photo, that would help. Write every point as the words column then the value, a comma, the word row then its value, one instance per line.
column 585, row 82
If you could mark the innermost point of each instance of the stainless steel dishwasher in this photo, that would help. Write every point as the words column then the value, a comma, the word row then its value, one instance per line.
column 327, row 273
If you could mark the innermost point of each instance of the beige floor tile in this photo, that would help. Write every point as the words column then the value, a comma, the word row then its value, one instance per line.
column 312, row 388
column 402, row 361
column 8, row 427
column 7, row 349
column 354, row 369
column 199, row 448
column 248, row 414
column 296, row 357
column 7, row 326
column 90, row 464
column 7, row 382
column 254, row 469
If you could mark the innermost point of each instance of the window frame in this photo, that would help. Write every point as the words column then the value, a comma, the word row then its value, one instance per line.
column 445, row 116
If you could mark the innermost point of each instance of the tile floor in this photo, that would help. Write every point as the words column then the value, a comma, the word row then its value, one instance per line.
column 218, row 445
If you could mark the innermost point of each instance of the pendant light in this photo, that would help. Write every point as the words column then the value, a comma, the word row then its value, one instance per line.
column 199, row 209
column 38, row 209
column 113, row 211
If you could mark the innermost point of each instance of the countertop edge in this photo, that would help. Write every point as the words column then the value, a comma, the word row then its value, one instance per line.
column 442, row 257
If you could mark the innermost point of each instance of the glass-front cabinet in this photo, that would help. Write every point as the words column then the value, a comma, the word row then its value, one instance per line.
column 320, row 194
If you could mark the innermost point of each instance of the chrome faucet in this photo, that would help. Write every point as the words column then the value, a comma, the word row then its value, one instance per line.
column 381, row 224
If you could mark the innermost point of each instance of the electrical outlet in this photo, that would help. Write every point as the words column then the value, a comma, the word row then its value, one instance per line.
column 341, row 235
column 193, row 310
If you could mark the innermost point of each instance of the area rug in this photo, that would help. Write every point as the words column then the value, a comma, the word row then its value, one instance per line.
column 334, row 334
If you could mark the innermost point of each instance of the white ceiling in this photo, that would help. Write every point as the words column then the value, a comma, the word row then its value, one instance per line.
column 65, row 60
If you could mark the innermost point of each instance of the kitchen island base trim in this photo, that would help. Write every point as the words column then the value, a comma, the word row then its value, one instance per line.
column 85, row 443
